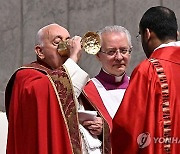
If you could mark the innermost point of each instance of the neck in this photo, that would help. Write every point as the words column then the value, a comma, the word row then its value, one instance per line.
column 44, row 64
column 158, row 43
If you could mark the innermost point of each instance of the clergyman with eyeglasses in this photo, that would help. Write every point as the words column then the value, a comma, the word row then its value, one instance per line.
column 107, row 88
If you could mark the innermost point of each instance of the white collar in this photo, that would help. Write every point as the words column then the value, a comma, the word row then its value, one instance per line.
column 117, row 78
column 176, row 43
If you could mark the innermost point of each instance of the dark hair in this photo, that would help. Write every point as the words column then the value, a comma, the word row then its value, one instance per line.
column 162, row 21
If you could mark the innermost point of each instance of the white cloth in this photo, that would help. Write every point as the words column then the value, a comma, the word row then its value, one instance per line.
column 177, row 43
column 111, row 98
column 78, row 76
column 3, row 132
column 91, row 144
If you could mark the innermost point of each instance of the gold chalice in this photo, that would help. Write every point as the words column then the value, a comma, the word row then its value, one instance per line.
column 90, row 42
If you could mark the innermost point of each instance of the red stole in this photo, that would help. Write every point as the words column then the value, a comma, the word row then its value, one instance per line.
column 92, row 101
column 141, row 111
column 92, row 94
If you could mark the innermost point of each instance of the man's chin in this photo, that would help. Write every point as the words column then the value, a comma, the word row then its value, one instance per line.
column 119, row 72
column 120, row 68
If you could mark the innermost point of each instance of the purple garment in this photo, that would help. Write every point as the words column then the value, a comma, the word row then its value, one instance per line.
column 109, row 83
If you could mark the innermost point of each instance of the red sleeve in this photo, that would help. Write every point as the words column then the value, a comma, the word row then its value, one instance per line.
column 36, row 123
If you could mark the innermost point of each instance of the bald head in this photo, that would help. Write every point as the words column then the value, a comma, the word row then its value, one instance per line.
column 47, row 41
column 44, row 32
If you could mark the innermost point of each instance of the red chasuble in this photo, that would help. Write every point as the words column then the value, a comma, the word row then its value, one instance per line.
column 41, row 113
column 140, row 122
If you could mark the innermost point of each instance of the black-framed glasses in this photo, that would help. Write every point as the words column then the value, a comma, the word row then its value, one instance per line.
column 113, row 51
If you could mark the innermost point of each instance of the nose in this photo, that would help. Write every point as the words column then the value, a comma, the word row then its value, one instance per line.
column 118, row 55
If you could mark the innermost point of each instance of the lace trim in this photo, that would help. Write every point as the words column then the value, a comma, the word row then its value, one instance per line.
column 96, row 148
column 165, row 103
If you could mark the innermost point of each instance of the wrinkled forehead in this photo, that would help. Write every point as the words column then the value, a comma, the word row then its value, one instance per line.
column 54, row 31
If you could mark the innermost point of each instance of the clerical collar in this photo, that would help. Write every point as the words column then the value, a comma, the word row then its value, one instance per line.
column 116, row 78
column 111, row 82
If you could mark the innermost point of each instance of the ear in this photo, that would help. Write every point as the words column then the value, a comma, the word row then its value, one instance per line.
column 39, row 52
column 97, row 56
column 147, row 33
column 177, row 33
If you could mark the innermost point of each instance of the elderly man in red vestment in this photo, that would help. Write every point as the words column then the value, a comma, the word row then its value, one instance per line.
column 147, row 121
column 41, row 100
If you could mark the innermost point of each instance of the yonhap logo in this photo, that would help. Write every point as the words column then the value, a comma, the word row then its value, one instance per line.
column 143, row 140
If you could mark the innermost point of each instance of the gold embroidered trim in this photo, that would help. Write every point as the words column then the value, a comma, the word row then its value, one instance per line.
column 62, row 86
column 165, row 104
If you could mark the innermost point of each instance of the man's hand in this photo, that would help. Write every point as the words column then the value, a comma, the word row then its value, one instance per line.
column 94, row 127
column 75, row 48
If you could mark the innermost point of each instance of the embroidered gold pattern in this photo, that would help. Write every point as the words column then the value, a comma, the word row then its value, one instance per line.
column 63, row 80
column 165, row 104
column 64, row 90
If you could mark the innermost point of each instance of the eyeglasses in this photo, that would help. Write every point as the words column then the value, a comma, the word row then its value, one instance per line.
column 112, row 52
column 138, row 36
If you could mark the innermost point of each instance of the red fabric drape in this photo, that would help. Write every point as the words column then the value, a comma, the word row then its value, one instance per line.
column 93, row 95
column 141, row 108
column 36, row 124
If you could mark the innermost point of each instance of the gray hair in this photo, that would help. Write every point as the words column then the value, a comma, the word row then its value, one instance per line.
column 40, row 34
column 116, row 28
